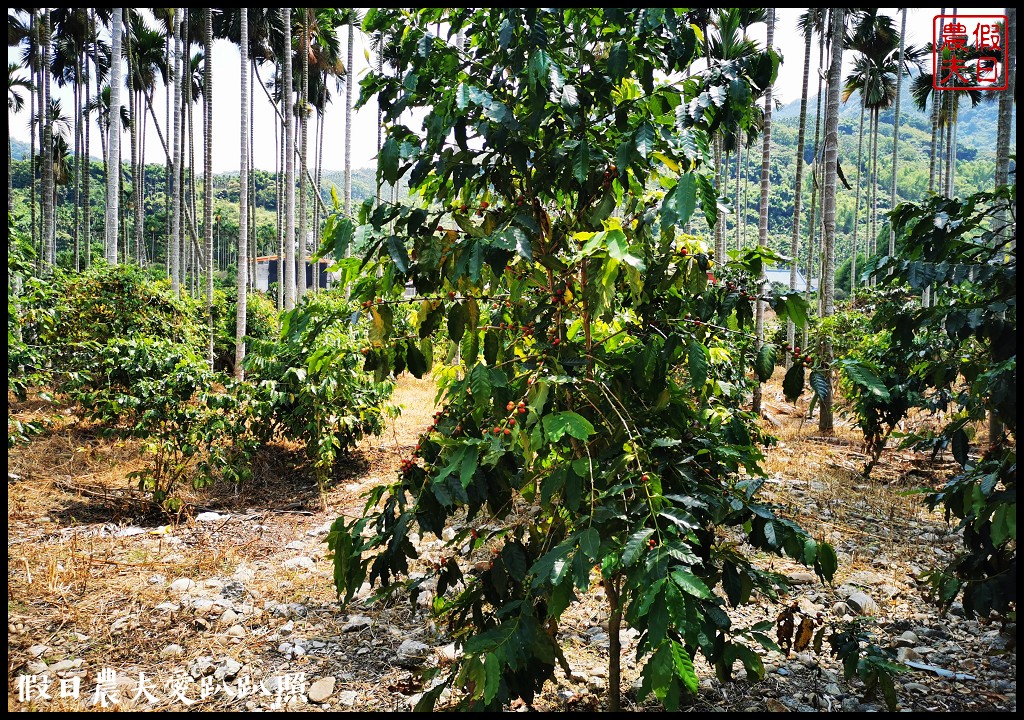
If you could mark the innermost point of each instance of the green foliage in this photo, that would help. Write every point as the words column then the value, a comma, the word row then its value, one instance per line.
column 108, row 302
column 309, row 385
column 956, row 354
column 593, row 431
column 260, row 324
column 192, row 420
column 863, row 658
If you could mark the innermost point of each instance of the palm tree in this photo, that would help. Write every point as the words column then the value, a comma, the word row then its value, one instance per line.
column 814, row 20
column 146, row 60
column 727, row 45
column 850, row 88
column 114, row 143
column 828, row 201
column 874, row 38
column 15, row 104
column 896, row 127
column 176, row 247
column 762, row 235
column 208, row 172
column 303, row 118
column 352, row 19
column 48, row 236
column 945, row 112
column 243, row 198
column 71, row 29
column 289, row 154
column 1002, row 174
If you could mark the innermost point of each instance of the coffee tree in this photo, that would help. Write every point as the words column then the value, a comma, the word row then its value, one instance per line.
column 959, row 357
column 593, row 431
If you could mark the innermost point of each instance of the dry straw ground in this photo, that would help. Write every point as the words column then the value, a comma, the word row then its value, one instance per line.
column 89, row 576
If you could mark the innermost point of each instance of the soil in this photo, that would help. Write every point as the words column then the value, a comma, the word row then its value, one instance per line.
column 96, row 586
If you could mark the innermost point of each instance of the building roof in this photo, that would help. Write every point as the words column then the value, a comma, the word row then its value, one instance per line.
column 268, row 258
column 781, row 276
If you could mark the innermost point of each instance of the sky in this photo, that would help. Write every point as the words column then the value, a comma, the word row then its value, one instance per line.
column 227, row 90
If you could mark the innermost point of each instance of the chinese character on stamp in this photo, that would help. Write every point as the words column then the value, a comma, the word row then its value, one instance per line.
column 969, row 52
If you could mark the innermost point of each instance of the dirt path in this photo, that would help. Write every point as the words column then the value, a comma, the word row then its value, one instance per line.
column 233, row 608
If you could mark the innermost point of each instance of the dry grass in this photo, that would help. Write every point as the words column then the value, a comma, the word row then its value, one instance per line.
column 74, row 584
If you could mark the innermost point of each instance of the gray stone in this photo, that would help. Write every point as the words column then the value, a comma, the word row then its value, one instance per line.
column 210, row 517
column 906, row 653
column 227, row 669
column 833, row 689
column 65, row 665
column 157, row 579
column 289, row 610
column 887, row 591
column 862, row 604
column 181, row 585
column 449, row 653
column 347, row 698
column 228, row 617
column 322, row 530
column 295, row 545
column 235, row 631
column 37, row 650
column 243, row 574
column 907, row 639
column 36, row 667
column 356, row 623
column 802, row 577
column 299, row 563
column 917, row 688
column 172, row 651
column 201, row 667
column 840, row 608
column 201, row 605
column 321, row 690
column 412, row 653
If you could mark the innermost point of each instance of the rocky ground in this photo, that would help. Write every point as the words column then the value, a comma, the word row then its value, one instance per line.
column 231, row 607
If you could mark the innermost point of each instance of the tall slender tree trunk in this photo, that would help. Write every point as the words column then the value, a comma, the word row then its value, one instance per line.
column 114, row 143
column 87, row 209
column 243, row 200
column 279, row 137
column 828, row 204
column 35, row 117
column 720, row 222
column 762, row 226
column 208, row 173
column 348, row 117
column 135, row 161
column 812, row 219
column 736, row 191
column 77, row 168
column 896, row 130
column 317, row 212
column 303, row 155
column 874, row 184
column 1004, row 220
column 176, row 79
column 48, row 237
column 794, row 243
column 856, row 204
column 1005, row 117
column 934, row 159
column 954, row 102
column 743, row 202
column 289, row 163
column 170, row 164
